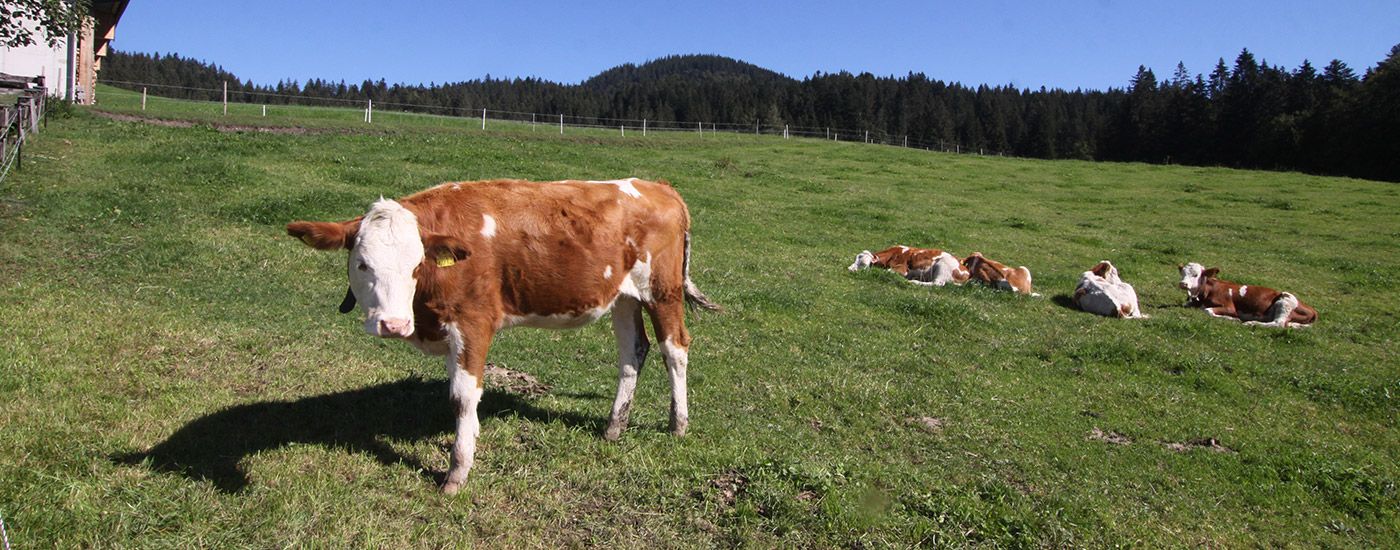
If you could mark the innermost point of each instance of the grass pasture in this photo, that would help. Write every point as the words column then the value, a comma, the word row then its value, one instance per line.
column 173, row 372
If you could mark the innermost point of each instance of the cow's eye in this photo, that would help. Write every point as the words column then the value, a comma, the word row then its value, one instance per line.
column 362, row 267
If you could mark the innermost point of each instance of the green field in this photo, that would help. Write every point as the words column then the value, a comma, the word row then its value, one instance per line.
column 173, row 371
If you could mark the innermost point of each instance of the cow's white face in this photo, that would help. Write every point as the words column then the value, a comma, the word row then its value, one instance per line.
column 863, row 261
column 387, row 250
column 1191, row 277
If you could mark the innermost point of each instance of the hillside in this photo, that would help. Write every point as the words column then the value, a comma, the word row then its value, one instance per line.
column 173, row 372
column 1249, row 114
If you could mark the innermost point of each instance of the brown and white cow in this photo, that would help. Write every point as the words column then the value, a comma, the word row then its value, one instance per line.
column 998, row 276
column 447, row 268
column 1255, row 305
column 924, row 266
column 1101, row 291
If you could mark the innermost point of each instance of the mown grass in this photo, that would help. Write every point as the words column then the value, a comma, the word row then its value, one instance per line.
column 173, row 372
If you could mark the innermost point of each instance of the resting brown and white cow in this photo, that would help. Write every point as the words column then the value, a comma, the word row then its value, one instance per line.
column 998, row 276
column 446, row 268
column 1101, row 291
column 1255, row 305
column 924, row 266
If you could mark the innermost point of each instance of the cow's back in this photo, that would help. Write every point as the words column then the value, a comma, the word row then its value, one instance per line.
column 560, row 249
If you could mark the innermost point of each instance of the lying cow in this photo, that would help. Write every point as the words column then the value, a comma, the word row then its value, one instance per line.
column 1255, row 305
column 1101, row 291
column 924, row 266
column 447, row 268
column 998, row 276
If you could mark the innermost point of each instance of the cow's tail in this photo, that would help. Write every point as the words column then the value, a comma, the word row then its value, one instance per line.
column 693, row 296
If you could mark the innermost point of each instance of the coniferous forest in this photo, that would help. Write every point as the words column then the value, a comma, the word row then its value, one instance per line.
column 1246, row 114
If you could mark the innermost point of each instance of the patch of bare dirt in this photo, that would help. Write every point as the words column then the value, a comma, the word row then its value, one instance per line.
column 1204, row 443
column 1112, row 437
column 175, row 123
column 516, row 382
column 729, row 485
column 929, row 424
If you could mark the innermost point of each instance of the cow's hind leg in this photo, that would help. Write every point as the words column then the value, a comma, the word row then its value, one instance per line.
column 668, row 318
column 632, row 349
column 466, row 364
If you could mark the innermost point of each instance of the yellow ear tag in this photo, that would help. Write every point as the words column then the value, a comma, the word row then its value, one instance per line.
column 308, row 240
column 446, row 260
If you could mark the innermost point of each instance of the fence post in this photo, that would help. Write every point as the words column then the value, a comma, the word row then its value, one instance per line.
column 264, row 110
column 532, row 122
column 225, row 98
column 143, row 98
column 369, row 111
column 906, row 140
column 623, row 129
column 483, row 118
column 644, row 127
column 561, row 124
column 867, row 136
column 828, row 132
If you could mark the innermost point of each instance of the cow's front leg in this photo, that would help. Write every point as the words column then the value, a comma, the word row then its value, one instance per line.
column 632, row 349
column 466, row 365
column 1224, row 312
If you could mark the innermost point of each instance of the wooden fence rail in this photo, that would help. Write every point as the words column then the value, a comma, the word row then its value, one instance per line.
column 18, row 119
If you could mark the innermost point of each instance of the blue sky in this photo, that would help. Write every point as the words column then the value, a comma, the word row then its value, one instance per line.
column 1072, row 44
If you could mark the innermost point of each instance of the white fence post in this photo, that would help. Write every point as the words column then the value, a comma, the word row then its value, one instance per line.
column 369, row 111
column 225, row 98
column 623, row 129
column 483, row 118
column 561, row 124
column 264, row 110
column 867, row 136
column 532, row 122
column 143, row 98
column 700, row 128
column 644, row 127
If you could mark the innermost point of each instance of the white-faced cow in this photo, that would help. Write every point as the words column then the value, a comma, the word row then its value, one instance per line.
column 448, row 267
column 996, row 275
column 1255, row 305
column 1101, row 291
column 924, row 266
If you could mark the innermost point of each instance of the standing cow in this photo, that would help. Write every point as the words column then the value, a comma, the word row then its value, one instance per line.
column 924, row 266
column 1255, row 305
column 1101, row 291
column 447, row 268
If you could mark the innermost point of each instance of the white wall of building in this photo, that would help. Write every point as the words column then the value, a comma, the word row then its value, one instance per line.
column 40, row 60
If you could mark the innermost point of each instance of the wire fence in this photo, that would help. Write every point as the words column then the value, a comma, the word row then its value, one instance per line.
column 22, row 103
column 483, row 117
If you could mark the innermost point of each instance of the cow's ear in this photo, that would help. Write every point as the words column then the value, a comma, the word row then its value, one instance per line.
column 1210, row 272
column 1180, row 267
column 444, row 250
column 326, row 235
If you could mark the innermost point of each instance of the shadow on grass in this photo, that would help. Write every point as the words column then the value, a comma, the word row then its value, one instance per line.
column 1064, row 301
column 210, row 448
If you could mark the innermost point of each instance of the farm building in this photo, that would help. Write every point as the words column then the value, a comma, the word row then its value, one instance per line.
column 70, row 66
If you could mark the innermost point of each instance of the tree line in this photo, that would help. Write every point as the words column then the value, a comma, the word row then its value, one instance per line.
column 1248, row 114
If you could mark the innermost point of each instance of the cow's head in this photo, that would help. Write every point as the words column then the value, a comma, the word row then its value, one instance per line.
column 1194, row 275
column 388, row 252
column 863, row 260
column 1106, row 271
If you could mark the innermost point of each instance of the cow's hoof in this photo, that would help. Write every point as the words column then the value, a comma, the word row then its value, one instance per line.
column 451, row 488
column 678, row 428
column 614, row 432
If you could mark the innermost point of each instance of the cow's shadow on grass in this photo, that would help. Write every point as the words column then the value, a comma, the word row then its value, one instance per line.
column 363, row 420
column 1064, row 301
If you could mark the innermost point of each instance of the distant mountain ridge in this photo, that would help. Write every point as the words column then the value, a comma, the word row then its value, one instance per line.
column 694, row 67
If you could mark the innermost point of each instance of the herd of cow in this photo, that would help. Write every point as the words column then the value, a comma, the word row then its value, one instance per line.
column 1100, row 290
column 446, row 268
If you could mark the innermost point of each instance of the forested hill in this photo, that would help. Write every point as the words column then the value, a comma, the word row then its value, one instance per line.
column 1247, row 114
